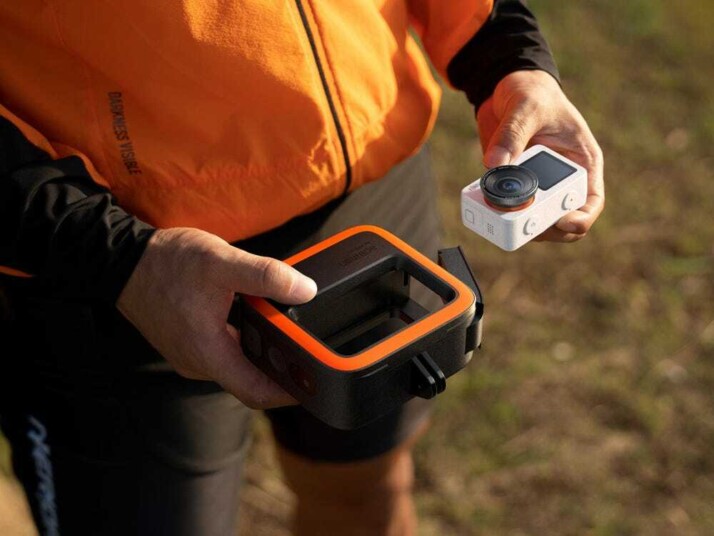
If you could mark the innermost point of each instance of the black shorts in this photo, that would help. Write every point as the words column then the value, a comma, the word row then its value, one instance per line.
column 107, row 439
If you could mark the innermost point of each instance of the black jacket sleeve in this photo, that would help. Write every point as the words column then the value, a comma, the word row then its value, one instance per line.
column 58, row 225
column 509, row 41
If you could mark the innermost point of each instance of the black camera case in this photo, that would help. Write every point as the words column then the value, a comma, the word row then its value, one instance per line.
column 362, row 347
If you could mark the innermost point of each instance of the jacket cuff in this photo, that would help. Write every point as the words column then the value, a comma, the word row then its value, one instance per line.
column 67, row 231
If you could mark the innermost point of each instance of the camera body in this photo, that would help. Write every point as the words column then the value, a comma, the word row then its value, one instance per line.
column 511, row 205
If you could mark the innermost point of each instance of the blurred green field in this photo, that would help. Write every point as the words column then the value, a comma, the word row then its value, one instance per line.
column 590, row 409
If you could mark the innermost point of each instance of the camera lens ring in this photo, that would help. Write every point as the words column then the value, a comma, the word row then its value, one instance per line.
column 509, row 186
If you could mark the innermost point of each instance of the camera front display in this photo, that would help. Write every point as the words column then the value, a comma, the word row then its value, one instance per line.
column 510, row 205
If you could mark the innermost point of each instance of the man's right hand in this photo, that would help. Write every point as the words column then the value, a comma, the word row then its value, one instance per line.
column 179, row 296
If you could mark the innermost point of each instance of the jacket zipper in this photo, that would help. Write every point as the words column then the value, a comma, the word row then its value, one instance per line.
column 328, row 95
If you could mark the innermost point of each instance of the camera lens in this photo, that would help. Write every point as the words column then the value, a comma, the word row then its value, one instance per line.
column 509, row 187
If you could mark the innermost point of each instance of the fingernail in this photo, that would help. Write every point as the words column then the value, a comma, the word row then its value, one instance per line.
column 304, row 289
column 497, row 156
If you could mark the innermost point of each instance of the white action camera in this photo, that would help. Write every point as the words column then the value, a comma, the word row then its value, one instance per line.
column 510, row 205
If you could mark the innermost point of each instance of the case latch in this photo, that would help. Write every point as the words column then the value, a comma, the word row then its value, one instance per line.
column 454, row 262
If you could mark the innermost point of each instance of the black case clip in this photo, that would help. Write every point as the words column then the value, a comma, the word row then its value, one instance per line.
column 454, row 262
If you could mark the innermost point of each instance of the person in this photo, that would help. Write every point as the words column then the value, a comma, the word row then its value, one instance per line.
column 156, row 159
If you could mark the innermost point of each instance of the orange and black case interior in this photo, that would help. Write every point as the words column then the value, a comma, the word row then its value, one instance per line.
column 364, row 346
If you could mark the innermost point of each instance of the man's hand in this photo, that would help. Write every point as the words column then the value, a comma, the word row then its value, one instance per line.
column 529, row 108
column 179, row 297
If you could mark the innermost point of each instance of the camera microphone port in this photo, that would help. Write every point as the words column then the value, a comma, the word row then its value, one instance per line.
column 509, row 188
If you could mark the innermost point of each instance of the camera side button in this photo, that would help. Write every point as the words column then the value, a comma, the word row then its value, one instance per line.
column 569, row 201
column 531, row 225
column 469, row 215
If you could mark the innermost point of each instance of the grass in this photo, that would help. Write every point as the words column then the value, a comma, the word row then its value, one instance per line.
column 589, row 410
column 586, row 412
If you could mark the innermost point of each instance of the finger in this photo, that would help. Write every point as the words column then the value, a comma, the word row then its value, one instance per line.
column 266, row 277
column 575, row 222
column 191, row 374
column 588, row 154
column 519, row 124
column 580, row 221
column 238, row 376
column 554, row 234
column 575, row 225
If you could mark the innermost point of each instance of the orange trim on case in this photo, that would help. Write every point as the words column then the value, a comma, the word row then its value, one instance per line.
column 464, row 299
column 13, row 272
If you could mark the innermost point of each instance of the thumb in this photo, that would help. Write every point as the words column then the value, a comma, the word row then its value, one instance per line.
column 512, row 135
column 268, row 278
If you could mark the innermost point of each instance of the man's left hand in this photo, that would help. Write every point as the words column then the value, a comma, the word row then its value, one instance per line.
column 529, row 108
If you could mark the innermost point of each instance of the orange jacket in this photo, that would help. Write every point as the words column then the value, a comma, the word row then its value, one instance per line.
column 229, row 116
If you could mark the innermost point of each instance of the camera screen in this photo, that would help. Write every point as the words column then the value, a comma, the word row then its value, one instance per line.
column 549, row 169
